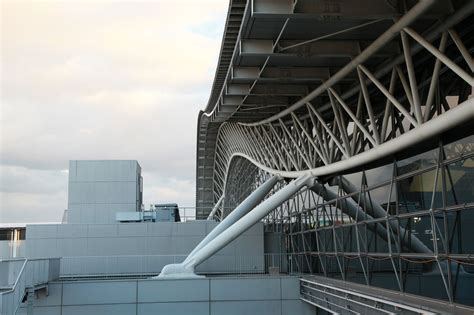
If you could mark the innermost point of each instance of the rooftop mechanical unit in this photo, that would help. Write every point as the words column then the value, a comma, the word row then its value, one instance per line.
column 166, row 212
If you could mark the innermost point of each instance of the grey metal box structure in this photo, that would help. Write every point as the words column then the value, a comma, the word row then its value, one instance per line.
column 100, row 189
column 131, row 248
column 207, row 296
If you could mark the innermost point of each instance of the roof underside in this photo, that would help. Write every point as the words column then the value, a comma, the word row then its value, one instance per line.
column 274, row 53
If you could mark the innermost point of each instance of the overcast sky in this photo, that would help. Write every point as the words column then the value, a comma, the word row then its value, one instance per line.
column 102, row 80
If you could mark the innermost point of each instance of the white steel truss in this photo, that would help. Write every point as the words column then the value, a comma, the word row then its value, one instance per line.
column 336, row 128
column 376, row 84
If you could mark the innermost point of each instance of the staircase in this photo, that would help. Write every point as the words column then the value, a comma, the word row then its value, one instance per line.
column 21, row 278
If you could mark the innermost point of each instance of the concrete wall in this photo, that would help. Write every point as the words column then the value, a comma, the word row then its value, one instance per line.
column 139, row 247
column 99, row 189
column 237, row 295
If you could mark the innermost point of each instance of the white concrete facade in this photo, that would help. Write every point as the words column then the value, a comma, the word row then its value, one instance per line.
column 100, row 189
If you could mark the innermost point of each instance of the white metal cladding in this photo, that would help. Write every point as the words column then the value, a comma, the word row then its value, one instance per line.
column 136, row 248
column 99, row 189
column 326, row 88
column 210, row 296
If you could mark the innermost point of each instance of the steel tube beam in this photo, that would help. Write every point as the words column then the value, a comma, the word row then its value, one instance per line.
column 458, row 16
column 216, row 206
column 434, row 78
column 250, row 219
column 440, row 56
column 464, row 52
column 186, row 269
column 350, row 208
column 456, row 116
column 413, row 242
column 407, row 19
column 242, row 209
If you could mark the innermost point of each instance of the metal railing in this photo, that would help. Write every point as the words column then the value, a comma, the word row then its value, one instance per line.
column 16, row 275
column 151, row 265
column 345, row 297
column 187, row 214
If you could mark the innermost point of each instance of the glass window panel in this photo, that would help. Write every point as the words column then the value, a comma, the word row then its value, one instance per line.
column 460, row 182
column 379, row 175
column 416, row 192
column 380, row 197
column 459, row 147
column 463, row 234
column 418, row 162
column 419, row 227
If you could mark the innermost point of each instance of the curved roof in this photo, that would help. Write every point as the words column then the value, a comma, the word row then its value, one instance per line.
column 275, row 52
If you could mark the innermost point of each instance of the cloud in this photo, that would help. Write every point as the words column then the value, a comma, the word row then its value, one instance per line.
column 15, row 179
column 168, row 190
column 102, row 80
column 29, row 195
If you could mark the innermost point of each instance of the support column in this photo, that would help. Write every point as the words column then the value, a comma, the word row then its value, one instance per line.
column 410, row 241
column 186, row 269
column 242, row 209
column 350, row 208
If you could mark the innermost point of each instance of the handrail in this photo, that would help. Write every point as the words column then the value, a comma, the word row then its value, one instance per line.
column 21, row 274
column 15, row 285
column 13, row 296
column 75, row 267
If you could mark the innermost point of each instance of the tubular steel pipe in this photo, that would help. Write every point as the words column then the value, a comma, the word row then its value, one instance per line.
column 216, row 206
column 250, row 219
column 403, row 22
column 186, row 269
column 350, row 208
column 248, row 204
column 456, row 116
column 440, row 56
column 412, row 242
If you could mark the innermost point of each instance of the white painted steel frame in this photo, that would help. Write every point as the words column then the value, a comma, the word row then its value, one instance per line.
column 457, row 116
column 325, row 138
column 291, row 149
column 352, row 130
column 243, row 208
column 233, row 229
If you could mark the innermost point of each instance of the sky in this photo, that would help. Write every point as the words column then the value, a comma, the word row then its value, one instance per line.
column 102, row 79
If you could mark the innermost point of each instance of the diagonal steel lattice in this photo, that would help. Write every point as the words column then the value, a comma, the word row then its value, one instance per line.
column 365, row 115
column 346, row 130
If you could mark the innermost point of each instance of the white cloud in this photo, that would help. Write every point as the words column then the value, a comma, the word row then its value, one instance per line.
column 29, row 195
column 102, row 80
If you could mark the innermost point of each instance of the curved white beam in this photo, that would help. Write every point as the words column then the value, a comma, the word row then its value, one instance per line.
column 403, row 22
column 186, row 269
column 458, row 115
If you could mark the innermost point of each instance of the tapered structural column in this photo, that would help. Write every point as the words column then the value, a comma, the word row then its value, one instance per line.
column 349, row 207
column 186, row 269
column 248, row 204
column 410, row 241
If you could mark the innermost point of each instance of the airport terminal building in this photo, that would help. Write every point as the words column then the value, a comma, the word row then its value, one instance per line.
column 334, row 174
